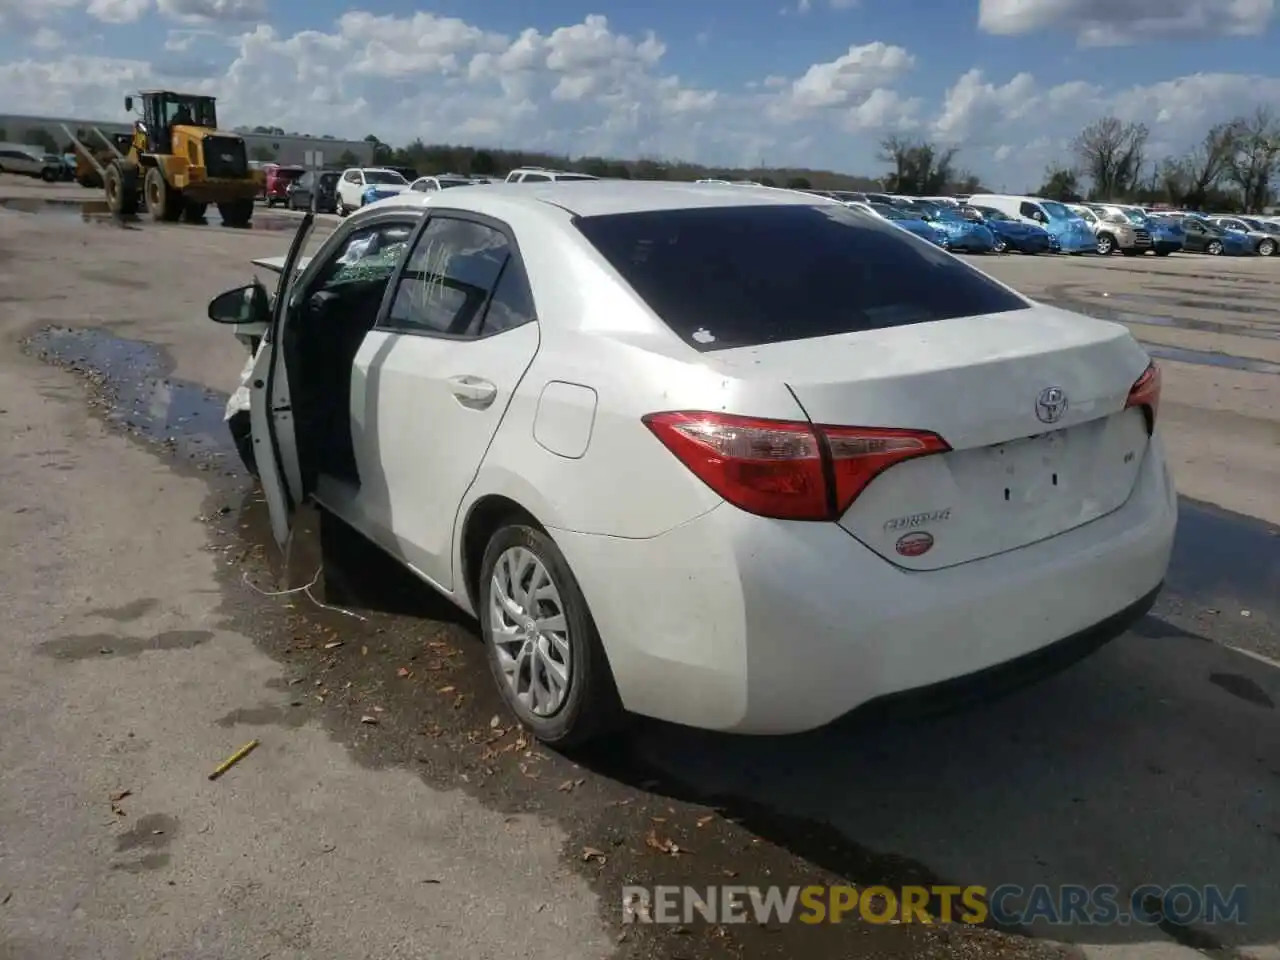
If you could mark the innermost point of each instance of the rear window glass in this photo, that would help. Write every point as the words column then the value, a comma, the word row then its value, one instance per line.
column 724, row 277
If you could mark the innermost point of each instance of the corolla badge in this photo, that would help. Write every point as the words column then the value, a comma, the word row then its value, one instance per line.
column 1051, row 404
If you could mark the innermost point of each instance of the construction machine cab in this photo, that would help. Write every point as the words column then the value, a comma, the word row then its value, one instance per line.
column 162, row 110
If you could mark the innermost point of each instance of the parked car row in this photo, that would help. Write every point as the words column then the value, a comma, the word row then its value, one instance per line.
column 28, row 161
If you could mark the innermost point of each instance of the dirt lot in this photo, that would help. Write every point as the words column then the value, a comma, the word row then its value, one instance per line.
column 388, row 810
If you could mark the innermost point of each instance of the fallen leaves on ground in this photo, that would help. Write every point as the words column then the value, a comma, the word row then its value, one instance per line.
column 663, row 845
column 115, row 802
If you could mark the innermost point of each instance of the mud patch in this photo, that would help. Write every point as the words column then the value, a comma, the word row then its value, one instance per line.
column 153, row 831
column 125, row 613
column 98, row 645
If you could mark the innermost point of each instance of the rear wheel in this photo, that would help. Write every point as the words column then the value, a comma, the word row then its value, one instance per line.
column 236, row 213
column 1106, row 244
column 1213, row 248
column 542, row 645
column 49, row 175
column 193, row 211
column 1002, row 245
column 1267, row 248
column 164, row 203
column 1163, row 253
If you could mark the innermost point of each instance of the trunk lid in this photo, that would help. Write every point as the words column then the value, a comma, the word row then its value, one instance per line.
column 1020, row 469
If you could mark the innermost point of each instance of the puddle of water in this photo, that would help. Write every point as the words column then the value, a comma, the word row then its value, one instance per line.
column 96, row 211
column 1218, row 553
column 1210, row 359
column 1101, row 312
column 141, row 397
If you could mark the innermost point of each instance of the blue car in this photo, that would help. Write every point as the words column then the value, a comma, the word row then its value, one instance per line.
column 1167, row 235
column 1201, row 236
column 912, row 223
column 959, row 232
column 1015, row 235
column 1074, row 235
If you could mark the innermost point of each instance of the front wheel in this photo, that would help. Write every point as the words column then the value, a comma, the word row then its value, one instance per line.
column 1267, row 248
column 1105, row 245
column 1131, row 252
column 1163, row 253
column 236, row 213
column 49, row 175
column 1214, row 248
column 542, row 645
column 1002, row 245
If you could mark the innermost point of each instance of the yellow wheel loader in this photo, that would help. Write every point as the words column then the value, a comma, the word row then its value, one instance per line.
column 179, row 162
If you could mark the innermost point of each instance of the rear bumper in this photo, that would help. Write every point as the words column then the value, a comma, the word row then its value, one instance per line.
column 770, row 627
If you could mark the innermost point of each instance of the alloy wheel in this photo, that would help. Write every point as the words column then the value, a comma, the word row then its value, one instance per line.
column 530, row 632
column 1267, row 248
column 1104, row 246
column 1214, row 248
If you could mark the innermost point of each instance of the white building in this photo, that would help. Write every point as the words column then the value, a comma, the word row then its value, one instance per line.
column 306, row 151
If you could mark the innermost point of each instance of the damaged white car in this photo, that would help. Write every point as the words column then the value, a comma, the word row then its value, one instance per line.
column 737, row 459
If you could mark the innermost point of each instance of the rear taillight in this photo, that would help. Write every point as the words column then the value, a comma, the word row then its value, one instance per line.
column 1145, row 393
column 790, row 470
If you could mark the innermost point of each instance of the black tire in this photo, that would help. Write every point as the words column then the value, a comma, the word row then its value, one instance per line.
column 242, row 436
column 49, row 175
column 193, row 211
column 1213, row 248
column 591, row 709
column 1163, row 253
column 236, row 213
column 1131, row 252
column 164, row 203
column 121, row 187
column 341, row 208
column 1002, row 245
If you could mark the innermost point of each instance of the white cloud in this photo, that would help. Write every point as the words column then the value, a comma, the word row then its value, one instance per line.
column 1113, row 23
column 46, row 38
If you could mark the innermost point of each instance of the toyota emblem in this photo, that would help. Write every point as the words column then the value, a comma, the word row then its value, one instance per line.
column 1051, row 404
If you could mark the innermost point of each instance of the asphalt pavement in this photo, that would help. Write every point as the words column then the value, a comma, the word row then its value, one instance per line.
column 390, row 811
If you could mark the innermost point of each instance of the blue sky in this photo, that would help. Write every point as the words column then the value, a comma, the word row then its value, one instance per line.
column 799, row 82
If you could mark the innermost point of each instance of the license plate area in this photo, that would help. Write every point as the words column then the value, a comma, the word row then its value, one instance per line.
column 1027, row 471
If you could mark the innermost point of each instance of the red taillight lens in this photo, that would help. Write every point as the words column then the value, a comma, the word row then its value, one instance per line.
column 784, row 468
column 860, row 454
column 1145, row 393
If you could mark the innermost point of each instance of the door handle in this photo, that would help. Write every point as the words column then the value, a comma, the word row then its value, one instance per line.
column 473, row 391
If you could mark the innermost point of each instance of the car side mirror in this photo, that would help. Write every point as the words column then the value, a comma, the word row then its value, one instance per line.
column 247, row 304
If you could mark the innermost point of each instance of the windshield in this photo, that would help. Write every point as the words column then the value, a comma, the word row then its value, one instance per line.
column 741, row 276
column 384, row 176
column 992, row 214
column 1056, row 210
column 890, row 213
column 446, row 184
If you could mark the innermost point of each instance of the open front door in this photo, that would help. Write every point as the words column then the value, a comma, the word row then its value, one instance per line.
column 270, row 410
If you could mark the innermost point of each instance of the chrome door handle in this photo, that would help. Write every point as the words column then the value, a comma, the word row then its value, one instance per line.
column 473, row 391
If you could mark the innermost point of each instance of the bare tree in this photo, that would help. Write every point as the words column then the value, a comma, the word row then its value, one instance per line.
column 920, row 168
column 1112, row 154
column 1255, row 156
column 1188, row 180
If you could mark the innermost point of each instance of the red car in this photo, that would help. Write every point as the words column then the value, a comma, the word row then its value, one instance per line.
column 278, row 180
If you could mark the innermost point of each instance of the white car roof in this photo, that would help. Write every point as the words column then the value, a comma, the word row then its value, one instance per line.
column 600, row 198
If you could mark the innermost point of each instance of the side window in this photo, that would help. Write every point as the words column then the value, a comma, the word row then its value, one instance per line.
column 370, row 253
column 531, row 177
column 351, row 176
column 418, row 186
column 1029, row 210
column 512, row 303
column 449, row 278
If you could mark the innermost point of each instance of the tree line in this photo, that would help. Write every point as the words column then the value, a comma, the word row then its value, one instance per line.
column 1233, row 168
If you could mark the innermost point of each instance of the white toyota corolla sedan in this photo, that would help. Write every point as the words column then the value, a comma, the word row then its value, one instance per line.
column 742, row 459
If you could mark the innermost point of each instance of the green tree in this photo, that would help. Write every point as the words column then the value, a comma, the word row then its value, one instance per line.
column 347, row 159
column 920, row 168
column 799, row 183
column 482, row 164
column 1061, row 184
column 767, row 182
column 263, row 154
column 381, row 152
